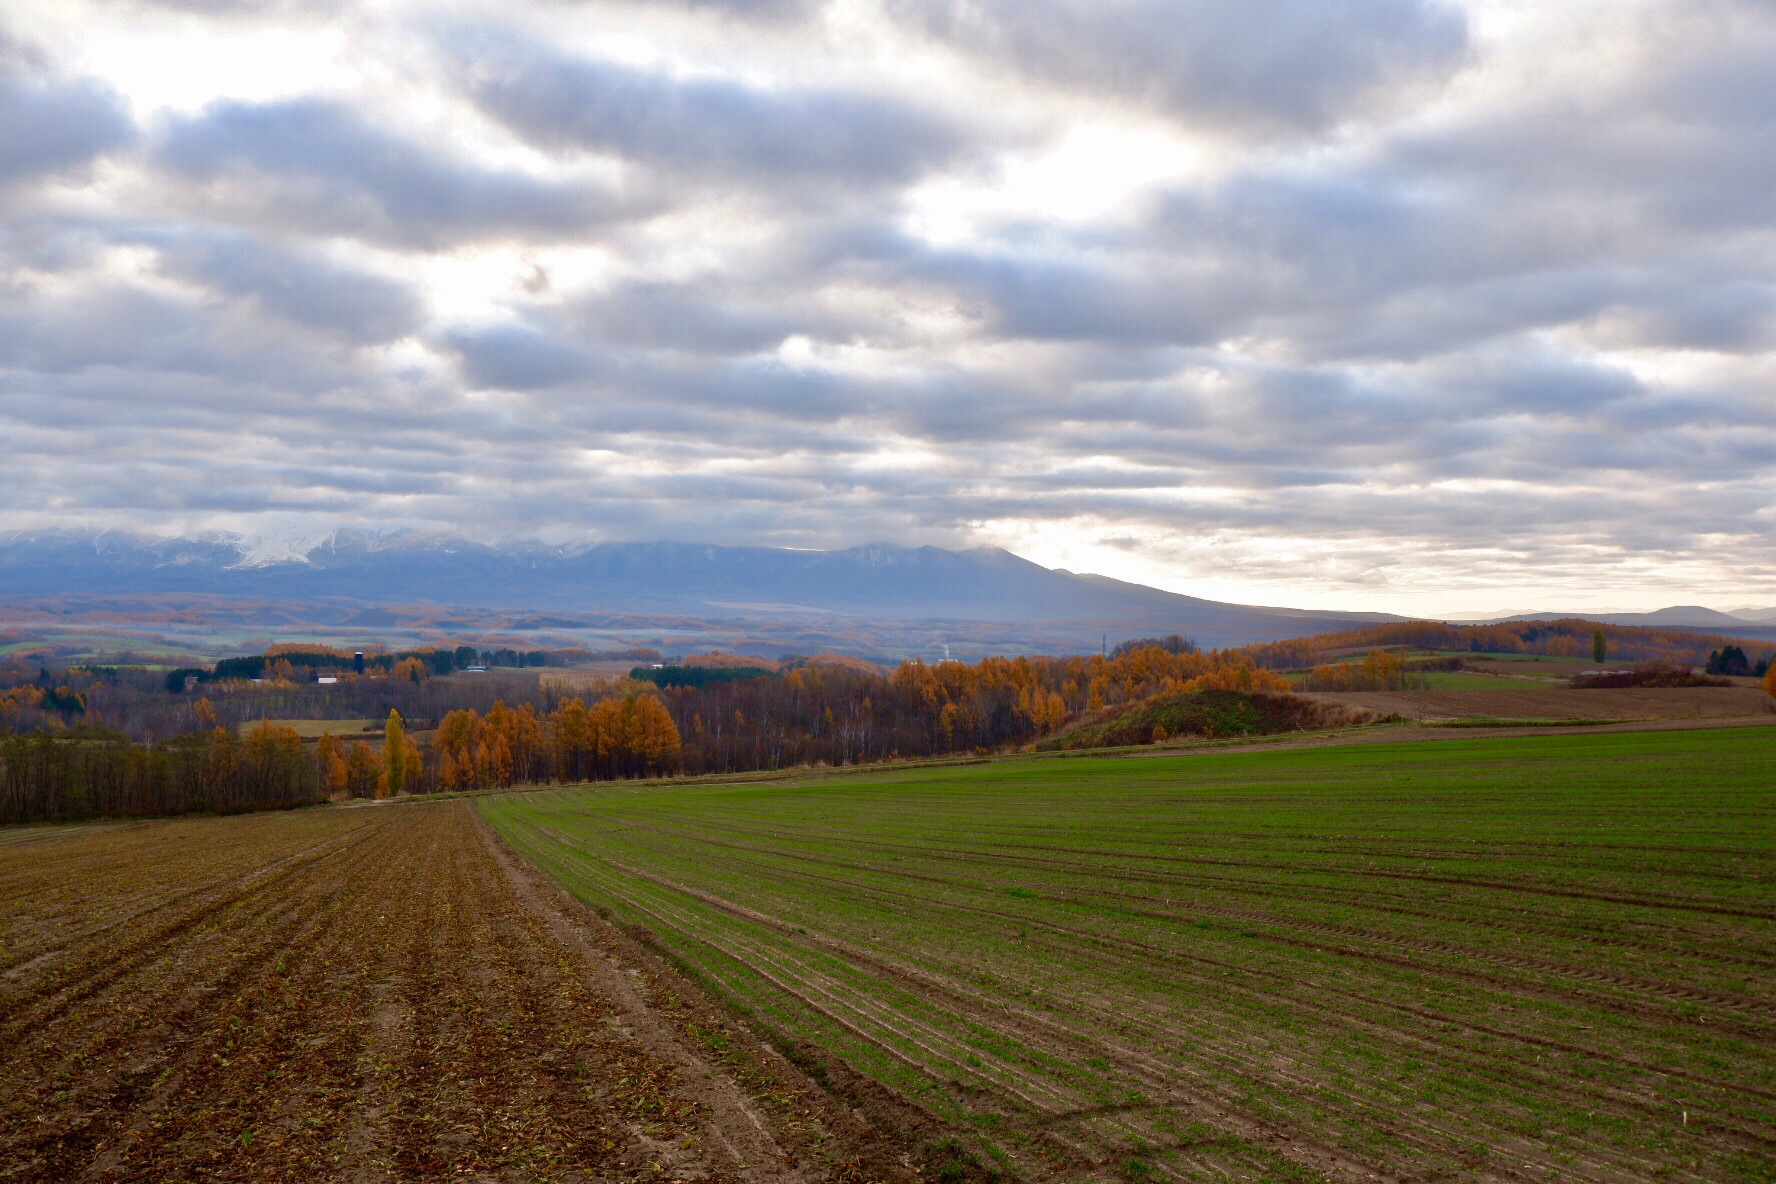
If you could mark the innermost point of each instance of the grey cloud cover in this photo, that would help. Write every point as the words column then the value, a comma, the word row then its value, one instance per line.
column 1260, row 67
column 784, row 137
column 53, row 123
column 321, row 166
column 772, row 11
column 300, row 286
column 1423, row 302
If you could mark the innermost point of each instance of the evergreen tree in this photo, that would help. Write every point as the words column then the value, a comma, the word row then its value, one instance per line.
column 1729, row 660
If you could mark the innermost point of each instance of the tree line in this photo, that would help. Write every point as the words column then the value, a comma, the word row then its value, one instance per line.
column 114, row 741
column 1566, row 638
column 811, row 715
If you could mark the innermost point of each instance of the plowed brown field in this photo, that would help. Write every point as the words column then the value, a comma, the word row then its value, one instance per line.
column 377, row 994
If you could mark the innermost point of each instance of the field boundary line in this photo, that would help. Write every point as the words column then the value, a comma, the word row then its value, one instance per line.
column 613, row 960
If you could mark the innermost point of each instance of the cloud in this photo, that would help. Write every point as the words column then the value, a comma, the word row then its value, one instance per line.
column 766, row 11
column 324, row 167
column 114, row 326
column 54, row 124
column 710, row 127
column 1237, row 67
column 1438, row 306
column 1733, row 316
column 693, row 317
column 520, row 358
column 248, row 9
column 301, row 285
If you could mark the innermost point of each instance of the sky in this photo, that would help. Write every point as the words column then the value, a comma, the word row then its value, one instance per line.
column 1405, row 305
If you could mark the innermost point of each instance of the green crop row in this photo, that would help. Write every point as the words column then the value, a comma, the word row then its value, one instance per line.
column 1552, row 955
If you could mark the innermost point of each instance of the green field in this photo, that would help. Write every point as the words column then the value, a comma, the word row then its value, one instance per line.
column 1531, row 959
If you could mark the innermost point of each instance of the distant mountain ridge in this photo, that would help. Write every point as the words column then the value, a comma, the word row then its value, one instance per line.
column 872, row 581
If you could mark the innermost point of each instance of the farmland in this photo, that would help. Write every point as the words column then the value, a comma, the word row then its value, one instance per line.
column 1523, row 699
column 1536, row 958
column 364, row 994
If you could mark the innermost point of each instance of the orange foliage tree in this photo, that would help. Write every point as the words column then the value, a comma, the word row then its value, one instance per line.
column 363, row 770
column 332, row 767
column 1378, row 671
column 631, row 735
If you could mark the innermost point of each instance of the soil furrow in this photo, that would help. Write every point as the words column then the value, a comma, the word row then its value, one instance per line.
column 383, row 1006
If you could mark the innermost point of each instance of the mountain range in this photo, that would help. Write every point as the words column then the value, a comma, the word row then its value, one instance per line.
column 669, row 579
column 664, row 579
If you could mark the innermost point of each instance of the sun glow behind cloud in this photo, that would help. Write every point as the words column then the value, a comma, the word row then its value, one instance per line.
column 1094, row 172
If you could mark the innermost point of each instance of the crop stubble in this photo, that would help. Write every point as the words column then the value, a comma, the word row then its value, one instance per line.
column 1551, row 958
column 375, row 994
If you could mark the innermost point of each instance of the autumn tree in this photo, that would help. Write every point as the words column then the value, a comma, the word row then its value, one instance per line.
column 363, row 771
column 572, row 725
column 272, row 767
column 394, row 757
column 652, row 737
column 454, row 747
column 221, row 769
column 411, row 669
column 413, row 761
column 332, row 766
column 1378, row 671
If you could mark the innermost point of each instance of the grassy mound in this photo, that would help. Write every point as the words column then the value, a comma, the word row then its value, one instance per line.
column 1209, row 714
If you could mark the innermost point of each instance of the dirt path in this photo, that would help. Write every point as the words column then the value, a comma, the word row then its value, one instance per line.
column 367, row 996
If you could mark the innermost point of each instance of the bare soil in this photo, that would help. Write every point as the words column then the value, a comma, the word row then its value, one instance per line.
column 366, row 995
